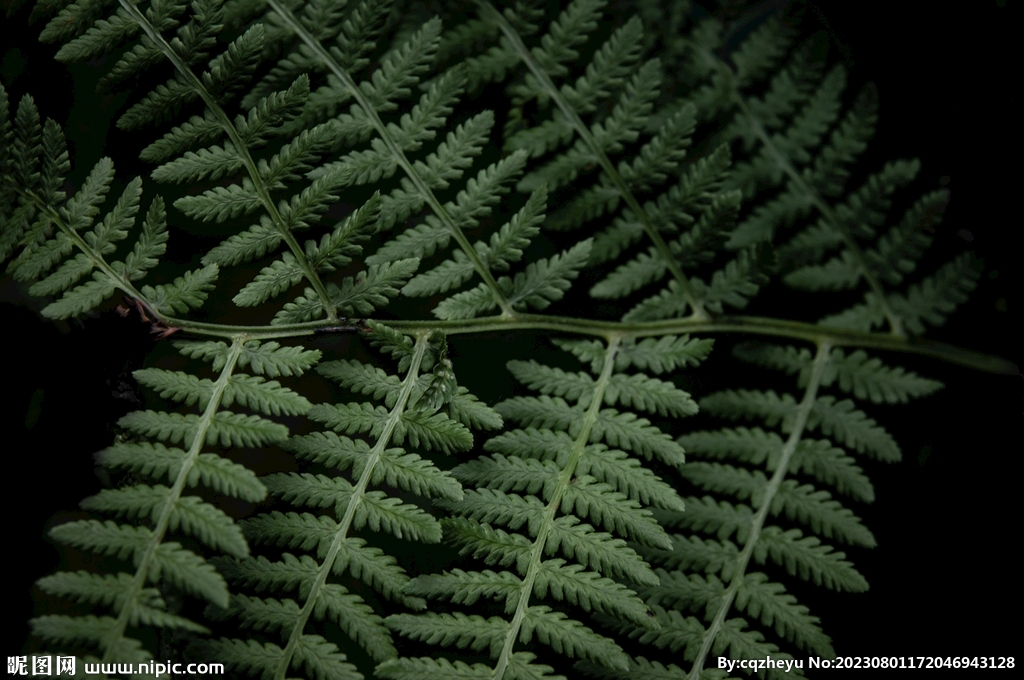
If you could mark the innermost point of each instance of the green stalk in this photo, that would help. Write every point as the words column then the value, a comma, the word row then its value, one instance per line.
column 752, row 325
column 747, row 325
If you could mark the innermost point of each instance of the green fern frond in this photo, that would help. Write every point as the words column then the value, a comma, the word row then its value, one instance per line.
column 161, row 509
column 776, row 496
column 338, row 158
column 72, row 226
column 929, row 302
column 542, row 283
column 159, row 462
column 548, row 465
column 353, row 504
column 865, row 377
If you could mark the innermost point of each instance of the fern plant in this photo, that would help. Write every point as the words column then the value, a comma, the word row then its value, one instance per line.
column 338, row 472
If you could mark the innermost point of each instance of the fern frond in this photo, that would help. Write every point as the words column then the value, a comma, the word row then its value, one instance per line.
column 551, row 487
column 927, row 302
column 194, row 517
column 400, row 69
column 865, row 377
column 159, row 462
column 546, row 281
column 840, row 419
column 703, row 157
column 353, row 506
column 163, row 511
column 76, row 230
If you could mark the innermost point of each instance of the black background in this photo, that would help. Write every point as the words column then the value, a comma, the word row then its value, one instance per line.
column 943, row 577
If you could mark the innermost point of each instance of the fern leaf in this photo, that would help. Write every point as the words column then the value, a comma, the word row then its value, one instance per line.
column 937, row 296
column 571, row 637
column 484, row 542
column 248, row 655
column 151, row 244
column 374, row 287
column 330, row 450
column 212, row 162
column 411, row 473
column 550, row 380
column 853, row 428
column 769, row 602
column 187, row 570
column 866, row 378
column 467, row 304
column 160, row 104
column 82, row 298
column 363, row 379
column 824, row 516
column 250, row 244
column 638, row 435
column 323, row 660
column 546, row 281
column 659, row 355
column 614, row 511
column 471, row 412
column 66, row 629
column 491, row 506
column 806, row 557
column 273, row 280
column 510, row 474
column 468, row 587
column 222, row 203
column 831, row 466
column 158, row 461
column 375, row 509
column 650, row 394
column 266, row 397
column 230, row 428
column 335, row 249
column 188, row 291
column 176, row 385
column 587, row 589
column 272, row 111
column 627, row 475
column 623, row 125
column 473, row 632
column 693, row 553
column 196, row 518
column 357, row 619
column 720, row 518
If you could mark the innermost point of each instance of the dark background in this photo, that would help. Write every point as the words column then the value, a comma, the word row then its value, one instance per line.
column 942, row 577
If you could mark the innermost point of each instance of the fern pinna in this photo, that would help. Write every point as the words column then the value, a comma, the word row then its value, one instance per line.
column 746, row 476
column 481, row 170
column 426, row 410
column 569, row 499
